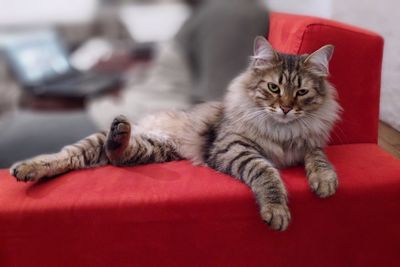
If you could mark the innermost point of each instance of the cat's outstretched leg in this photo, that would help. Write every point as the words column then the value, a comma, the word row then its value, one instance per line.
column 88, row 152
column 242, row 158
column 124, row 148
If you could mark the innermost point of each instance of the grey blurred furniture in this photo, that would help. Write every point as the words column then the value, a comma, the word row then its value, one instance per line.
column 218, row 40
column 28, row 133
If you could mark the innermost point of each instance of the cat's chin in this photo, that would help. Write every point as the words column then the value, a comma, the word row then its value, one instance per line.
column 284, row 119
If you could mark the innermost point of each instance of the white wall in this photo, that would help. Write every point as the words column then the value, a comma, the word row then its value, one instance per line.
column 321, row 8
column 383, row 18
column 38, row 12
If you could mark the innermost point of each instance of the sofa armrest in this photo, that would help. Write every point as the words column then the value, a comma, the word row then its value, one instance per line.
column 355, row 68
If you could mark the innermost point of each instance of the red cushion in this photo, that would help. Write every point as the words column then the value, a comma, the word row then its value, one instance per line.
column 176, row 214
column 355, row 68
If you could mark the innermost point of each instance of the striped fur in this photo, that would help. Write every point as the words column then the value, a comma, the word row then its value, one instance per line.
column 257, row 129
column 88, row 152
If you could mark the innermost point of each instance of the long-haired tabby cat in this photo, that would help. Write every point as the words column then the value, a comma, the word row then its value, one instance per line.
column 277, row 113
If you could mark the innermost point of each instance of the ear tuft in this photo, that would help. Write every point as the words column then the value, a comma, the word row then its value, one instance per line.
column 318, row 62
column 263, row 52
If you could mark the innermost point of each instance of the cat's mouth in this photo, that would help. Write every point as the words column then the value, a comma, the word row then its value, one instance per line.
column 285, row 118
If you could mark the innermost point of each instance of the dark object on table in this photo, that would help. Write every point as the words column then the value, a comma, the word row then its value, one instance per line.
column 41, row 65
column 123, row 59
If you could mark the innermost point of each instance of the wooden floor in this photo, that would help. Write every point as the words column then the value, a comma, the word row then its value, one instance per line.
column 389, row 139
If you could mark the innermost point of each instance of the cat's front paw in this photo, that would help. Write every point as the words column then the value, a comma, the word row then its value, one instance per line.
column 323, row 183
column 277, row 216
column 27, row 171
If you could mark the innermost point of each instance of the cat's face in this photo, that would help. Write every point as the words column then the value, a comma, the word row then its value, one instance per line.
column 288, row 87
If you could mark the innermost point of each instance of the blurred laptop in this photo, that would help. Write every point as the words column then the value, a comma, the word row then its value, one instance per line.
column 41, row 65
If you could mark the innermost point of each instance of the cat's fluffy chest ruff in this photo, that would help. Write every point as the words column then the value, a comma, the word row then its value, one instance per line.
column 284, row 145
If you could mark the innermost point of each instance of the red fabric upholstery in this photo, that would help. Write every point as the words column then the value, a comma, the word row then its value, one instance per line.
column 178, row 215
column 355, row 68
column 175, row 214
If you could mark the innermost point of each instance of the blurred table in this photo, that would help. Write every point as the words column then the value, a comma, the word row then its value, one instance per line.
column 117, row 63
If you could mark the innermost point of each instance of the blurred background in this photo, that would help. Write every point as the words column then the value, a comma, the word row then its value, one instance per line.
column 67, row 67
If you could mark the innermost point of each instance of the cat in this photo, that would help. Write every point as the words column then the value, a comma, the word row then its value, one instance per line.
column 277, row 113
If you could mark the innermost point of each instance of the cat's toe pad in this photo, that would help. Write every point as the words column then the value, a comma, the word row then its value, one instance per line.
column 324, row 184
column 26, row 171
column 118, row 137
column 277, row 216
column 120, row 127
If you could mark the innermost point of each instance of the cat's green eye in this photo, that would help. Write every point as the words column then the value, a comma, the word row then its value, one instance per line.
column 302, row 92
column 273, row 88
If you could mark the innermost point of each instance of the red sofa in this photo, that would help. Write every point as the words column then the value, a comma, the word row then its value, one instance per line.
column 178, row 215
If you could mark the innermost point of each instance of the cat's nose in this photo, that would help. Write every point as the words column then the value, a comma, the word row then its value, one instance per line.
column 286, row 109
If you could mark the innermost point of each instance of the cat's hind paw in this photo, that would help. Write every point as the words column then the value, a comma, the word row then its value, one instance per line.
column 118, row 137
column 277, row 216
column 27, row 171
column 119, row 134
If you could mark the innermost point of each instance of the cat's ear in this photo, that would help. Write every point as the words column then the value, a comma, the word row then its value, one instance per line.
column 264, row 54
column 318, row 62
